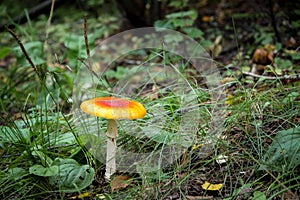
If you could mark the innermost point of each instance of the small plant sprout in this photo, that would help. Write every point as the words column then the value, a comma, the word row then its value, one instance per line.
column 113, row 109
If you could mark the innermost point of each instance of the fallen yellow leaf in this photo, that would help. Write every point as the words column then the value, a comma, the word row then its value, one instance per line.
column 229, row 100
column 86, row 194
column 196, row 146
column 210, row 186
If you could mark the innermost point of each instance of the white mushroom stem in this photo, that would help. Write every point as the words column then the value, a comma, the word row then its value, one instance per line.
column 112, row 131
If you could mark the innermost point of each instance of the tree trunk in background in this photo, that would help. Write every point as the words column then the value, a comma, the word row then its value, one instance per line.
column 139, row 13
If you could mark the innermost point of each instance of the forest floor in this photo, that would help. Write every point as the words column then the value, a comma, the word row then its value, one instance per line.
column 255, row 47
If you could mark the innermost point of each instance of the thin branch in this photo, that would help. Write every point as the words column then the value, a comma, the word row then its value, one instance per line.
column 87, row 44
column 35, row 11
column 87, row 66
column 24, row 51
column 49, row 20
column 46, row 46
column 285, row 77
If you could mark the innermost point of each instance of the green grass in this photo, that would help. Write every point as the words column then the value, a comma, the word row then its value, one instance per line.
column 253, row 119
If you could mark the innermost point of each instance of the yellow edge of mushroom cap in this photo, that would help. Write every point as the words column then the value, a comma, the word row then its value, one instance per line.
column 113, row 108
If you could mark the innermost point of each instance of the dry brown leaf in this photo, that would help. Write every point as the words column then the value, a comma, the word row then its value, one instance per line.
column 120, row 182
column 154, row 94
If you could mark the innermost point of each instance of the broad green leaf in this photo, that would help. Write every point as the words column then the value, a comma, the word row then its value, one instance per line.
column 182, row 22
column 74, row 42
column 72, row 176
column 8, row 134
column 283, row 63
column 164, row 24
column 290, row 98
column 17, row 173
column 258, row 195
column 193, row 32
column 46, row 161
column 192, row 14
column 119, row 74
column 40, row 170
column 296, row 56
column 35, row 50
column 62, row 138
column 178, row 3
column 284, row 152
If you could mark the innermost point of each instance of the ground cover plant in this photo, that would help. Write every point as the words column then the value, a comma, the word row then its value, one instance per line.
column 50, row 63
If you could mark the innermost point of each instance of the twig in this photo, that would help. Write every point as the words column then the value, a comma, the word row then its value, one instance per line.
column 47, row 31
column 49, row 20
column 87, row 44
column 24, row 51
column 87, row 66
column 284, row 77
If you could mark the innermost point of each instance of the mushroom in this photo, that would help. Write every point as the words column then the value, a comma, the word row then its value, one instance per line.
column 113, row 109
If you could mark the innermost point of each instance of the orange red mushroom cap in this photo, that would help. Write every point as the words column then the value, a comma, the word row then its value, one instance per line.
column 113, row 108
